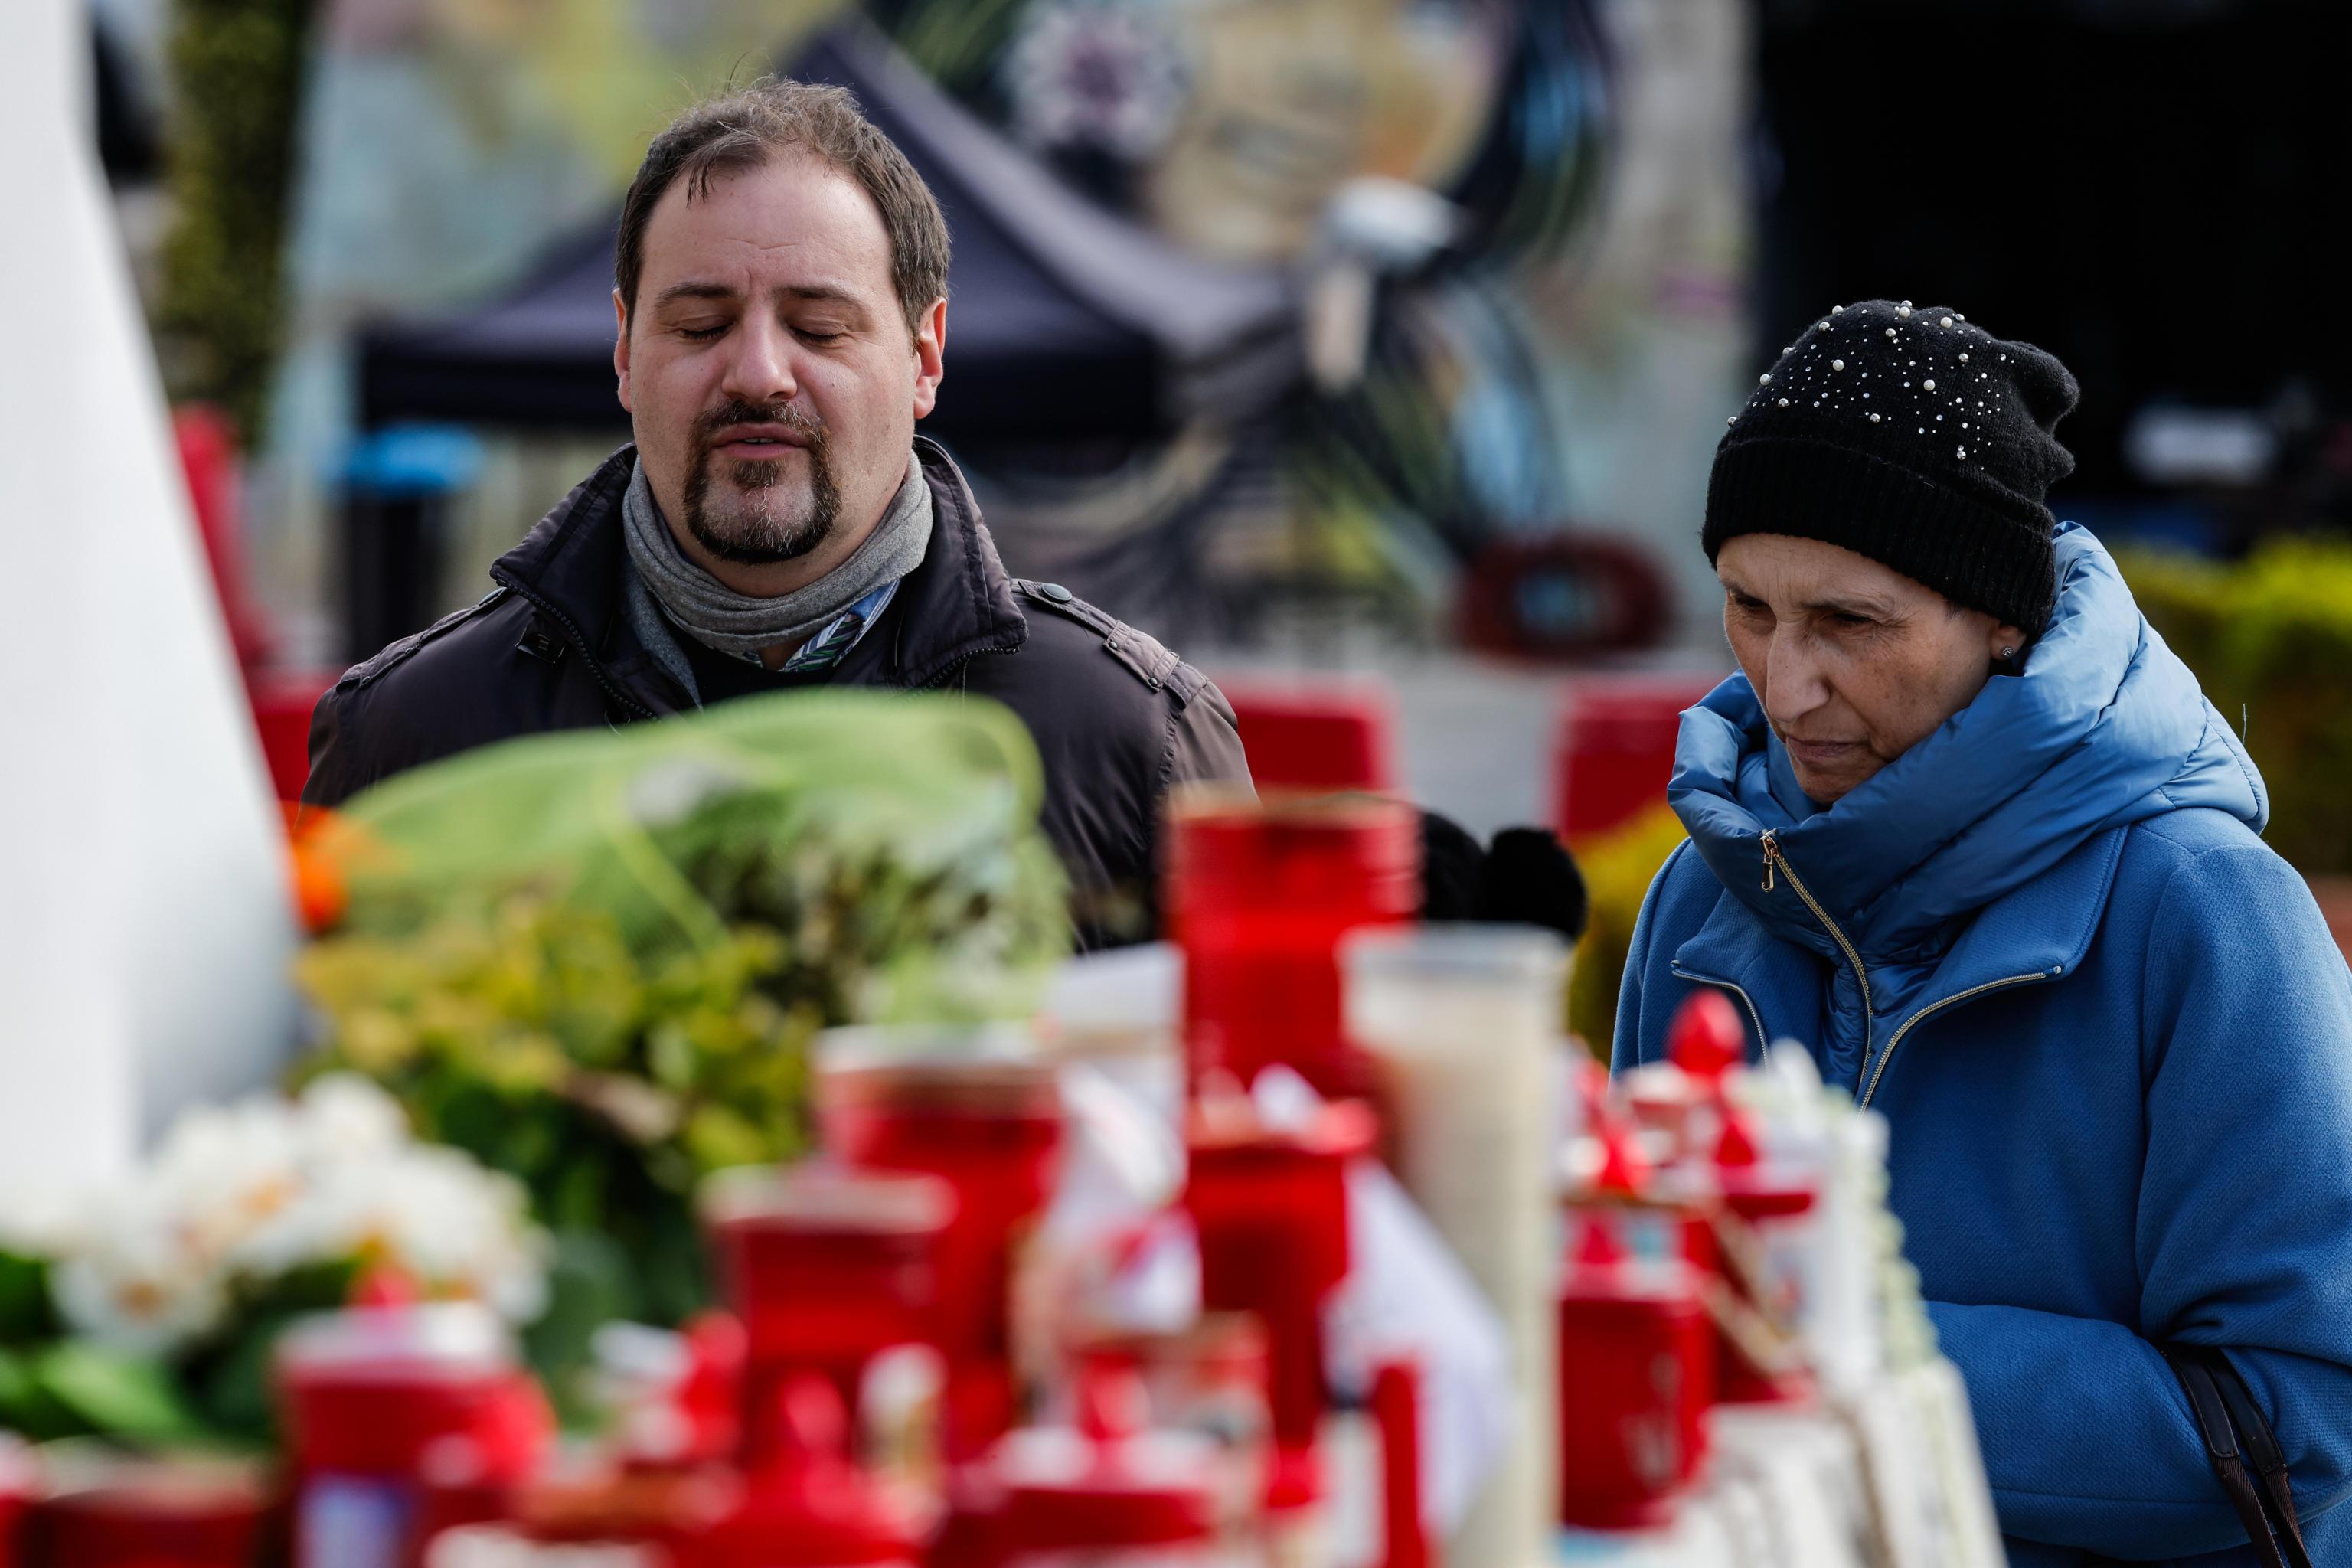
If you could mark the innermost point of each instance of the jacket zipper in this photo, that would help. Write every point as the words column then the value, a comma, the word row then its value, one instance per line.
column 1753, row 1015
column 1908, row 1024
column 579, row 645
column 1775, row 862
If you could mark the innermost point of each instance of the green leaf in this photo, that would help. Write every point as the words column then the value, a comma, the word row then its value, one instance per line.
column 27, row 1314
column 120, row 1396
column 28, row 1409
column 591, row 1283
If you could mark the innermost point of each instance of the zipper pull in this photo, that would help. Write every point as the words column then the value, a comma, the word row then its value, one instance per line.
column 1771, row 859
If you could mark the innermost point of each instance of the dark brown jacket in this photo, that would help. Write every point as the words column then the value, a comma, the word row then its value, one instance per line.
column 1118, row 718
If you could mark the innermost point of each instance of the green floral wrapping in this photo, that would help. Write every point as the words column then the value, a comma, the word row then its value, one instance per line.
column 597, row 960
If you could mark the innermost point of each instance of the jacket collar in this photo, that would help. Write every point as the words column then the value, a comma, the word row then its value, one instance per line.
column 959, row 603
column 2040, row 931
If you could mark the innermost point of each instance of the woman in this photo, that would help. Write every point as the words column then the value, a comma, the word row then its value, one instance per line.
column 1966, row 827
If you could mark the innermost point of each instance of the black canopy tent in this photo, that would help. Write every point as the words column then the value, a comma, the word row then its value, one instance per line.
column 1065, row 323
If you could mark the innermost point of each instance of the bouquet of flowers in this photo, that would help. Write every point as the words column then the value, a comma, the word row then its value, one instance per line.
column 597, row 960
column 147, row 1308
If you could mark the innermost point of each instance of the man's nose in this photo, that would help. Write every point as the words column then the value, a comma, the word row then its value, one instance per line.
column 760, row 368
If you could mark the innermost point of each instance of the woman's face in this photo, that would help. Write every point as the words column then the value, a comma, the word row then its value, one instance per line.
column 1853, row 662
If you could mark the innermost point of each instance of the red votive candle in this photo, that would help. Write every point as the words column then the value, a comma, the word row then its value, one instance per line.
column 1258, row 895
column 827, row 1266
column 1271, row 1206
column 118, row 1513
column 979, row 1108
column 1636, row 1353
column 366, row 1394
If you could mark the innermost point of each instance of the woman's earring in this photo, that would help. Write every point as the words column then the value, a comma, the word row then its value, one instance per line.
column 2008, row 654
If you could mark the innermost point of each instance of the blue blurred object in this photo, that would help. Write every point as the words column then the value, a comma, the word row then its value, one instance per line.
column 397, row 486
column 2154, row 522
column 411, row 461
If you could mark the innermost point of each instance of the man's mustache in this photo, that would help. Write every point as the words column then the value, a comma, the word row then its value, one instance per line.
column 728, row 415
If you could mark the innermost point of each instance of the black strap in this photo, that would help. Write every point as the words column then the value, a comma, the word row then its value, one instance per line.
column 2235, row 1433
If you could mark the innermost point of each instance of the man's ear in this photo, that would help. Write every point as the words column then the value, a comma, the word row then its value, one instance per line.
column 620, row 347
column 930, row 357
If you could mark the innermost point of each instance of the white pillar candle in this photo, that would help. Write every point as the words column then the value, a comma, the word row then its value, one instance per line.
column 1467, row 1021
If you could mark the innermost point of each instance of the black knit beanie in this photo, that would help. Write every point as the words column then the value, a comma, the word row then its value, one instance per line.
column 1913, row 438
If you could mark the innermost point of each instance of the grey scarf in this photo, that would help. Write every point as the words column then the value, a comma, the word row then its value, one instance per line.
column 740, row 623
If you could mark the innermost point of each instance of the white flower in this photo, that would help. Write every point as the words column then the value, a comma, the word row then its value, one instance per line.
column 224, row 1171
column 138, row 1286
column 346, row 1117
column 430, row 1212
column 244, row 1193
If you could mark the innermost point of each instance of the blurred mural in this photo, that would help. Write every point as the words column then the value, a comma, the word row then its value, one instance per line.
column 1479, row 264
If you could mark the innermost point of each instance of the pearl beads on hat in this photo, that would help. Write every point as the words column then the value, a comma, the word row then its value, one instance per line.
column 1837, row 365
column 1926, row 387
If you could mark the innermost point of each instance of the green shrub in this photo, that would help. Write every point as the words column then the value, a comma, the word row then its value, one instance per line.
column 237, row 78
column 2270, row 640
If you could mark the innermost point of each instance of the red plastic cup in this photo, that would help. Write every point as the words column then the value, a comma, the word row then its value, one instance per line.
column 1258, row 895
column 1636, row 1373
column 979, row 1109
column 1271, row 1208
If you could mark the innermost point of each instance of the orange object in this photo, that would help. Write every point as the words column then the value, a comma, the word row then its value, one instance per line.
column 321, row 896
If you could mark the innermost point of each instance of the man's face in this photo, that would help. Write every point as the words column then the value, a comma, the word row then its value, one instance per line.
column 767, row 370
column 1853, row 662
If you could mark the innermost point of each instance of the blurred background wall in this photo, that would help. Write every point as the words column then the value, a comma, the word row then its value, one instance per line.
column 1387, row 335
column 1634, row 200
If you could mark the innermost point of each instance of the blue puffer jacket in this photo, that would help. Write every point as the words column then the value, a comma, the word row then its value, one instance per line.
column 2113, row 1038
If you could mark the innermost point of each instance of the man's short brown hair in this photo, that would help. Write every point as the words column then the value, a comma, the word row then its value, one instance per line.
column 745, row 129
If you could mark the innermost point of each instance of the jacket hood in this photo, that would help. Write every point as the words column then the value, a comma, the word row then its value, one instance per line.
column 2105, row 727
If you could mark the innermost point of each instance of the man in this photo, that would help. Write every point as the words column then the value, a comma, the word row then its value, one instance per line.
column 779, row 295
